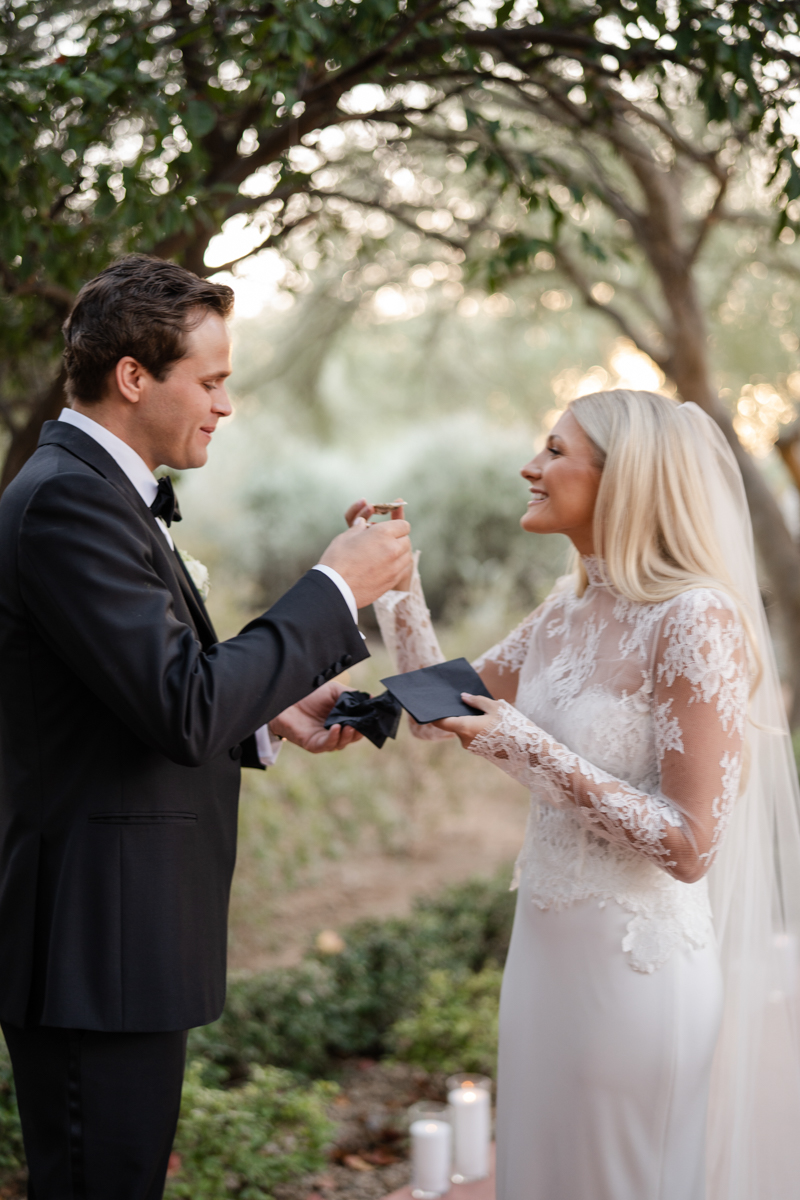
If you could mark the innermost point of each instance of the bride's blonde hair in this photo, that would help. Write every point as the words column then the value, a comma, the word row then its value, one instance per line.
column 653, row 530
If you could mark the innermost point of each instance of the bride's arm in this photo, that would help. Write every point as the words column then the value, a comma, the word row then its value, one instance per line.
column 408, row 634
column 406, row 626
column 700, row 693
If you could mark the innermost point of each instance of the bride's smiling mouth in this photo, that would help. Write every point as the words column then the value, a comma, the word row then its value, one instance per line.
column 537, row 497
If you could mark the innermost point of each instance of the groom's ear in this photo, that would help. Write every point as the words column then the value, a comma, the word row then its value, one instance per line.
column 129, row 380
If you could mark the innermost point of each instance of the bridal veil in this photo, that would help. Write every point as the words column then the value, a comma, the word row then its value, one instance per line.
column 754, row 1109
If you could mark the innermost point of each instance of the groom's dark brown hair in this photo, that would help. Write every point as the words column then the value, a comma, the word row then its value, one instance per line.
column 139, row 306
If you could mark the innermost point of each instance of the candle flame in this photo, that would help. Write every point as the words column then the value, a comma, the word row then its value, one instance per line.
column 469, row 1097
column 431, row 1128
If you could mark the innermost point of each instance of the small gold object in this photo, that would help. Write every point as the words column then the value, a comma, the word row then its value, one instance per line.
column 387, row 508
column 328, row 941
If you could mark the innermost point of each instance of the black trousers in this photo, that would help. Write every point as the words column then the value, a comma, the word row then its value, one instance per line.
column 98, row 1110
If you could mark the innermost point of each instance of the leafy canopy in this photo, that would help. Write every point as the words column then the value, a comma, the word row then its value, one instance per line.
column 146, row 126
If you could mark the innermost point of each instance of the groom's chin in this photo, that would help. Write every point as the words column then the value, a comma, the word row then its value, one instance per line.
column 191, row 458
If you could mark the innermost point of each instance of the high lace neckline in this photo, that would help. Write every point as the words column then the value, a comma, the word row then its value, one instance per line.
column 593, row 567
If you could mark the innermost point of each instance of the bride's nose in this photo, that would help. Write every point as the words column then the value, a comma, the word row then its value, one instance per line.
column 531, row 470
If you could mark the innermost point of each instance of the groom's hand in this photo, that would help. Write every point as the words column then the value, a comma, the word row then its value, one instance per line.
column 372, row 558
column 304, row 723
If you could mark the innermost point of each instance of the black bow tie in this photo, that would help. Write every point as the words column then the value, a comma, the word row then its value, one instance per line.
column 165, row 504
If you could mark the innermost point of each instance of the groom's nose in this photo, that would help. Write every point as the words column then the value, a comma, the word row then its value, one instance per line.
column 222, row 404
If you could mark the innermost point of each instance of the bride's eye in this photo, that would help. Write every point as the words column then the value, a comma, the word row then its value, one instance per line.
column 553, row 450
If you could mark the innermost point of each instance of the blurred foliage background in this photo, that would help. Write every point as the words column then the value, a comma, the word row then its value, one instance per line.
column 442, row 222
column 439, row 397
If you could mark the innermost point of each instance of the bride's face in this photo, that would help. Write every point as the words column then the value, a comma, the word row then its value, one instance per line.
column 563, row 479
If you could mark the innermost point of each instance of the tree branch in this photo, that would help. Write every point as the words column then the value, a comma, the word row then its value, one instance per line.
column 571, row 270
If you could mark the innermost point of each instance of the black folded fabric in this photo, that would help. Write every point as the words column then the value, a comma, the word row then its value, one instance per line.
column 377, row 717
column 435, row 692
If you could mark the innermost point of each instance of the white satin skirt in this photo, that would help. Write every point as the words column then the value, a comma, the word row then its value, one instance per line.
column 603, row 1071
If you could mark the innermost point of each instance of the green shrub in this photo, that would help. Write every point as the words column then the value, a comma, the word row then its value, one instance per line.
column 471, row 922
column 12, row 1154
column 455, row 1025
column 278, row 1017
column 307, row 1018
column 241, row 1141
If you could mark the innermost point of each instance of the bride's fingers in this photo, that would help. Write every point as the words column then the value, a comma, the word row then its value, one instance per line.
column 484, row 703
column 453, row 724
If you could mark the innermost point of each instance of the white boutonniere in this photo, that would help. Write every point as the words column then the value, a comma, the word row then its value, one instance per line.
column 198, row 573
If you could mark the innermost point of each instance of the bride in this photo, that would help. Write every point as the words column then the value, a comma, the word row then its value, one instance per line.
column 648, row 1019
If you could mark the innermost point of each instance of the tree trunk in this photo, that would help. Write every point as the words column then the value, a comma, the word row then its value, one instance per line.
column 25, row 439
column 779, row 554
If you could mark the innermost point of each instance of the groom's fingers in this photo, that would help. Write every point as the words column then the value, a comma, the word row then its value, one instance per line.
column 359, row 509
column 338, row 737
column 372, row 558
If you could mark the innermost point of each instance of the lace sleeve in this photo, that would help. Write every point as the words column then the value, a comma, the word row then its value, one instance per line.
column 408, row 634
column 406, row 626
column 700, row 696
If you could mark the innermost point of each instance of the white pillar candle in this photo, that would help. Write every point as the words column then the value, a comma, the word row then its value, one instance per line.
column 471, row 1118
column 431, row 1157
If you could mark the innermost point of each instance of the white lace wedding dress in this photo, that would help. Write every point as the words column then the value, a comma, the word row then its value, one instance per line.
column 612, row 993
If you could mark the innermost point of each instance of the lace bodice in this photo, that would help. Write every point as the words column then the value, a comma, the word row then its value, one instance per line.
column 628, row 729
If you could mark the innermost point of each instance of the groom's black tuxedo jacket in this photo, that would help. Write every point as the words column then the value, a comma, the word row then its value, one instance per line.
column 122, row 723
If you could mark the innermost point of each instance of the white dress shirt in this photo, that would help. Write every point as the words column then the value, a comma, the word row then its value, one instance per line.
column 146, row 485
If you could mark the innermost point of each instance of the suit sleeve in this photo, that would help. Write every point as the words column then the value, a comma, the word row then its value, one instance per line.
column 90, row 584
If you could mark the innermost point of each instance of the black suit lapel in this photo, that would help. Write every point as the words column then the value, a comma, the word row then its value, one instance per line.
column 195, row 602
column 84, row 447
column 60, row 433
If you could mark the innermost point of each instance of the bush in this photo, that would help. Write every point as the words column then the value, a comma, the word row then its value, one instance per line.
column 423, row 988
column 12, row 1154
column 455, row 1025
column 242, row 1141
column 308, row 1018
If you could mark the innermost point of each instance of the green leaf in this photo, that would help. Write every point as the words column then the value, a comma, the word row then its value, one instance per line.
column 504, row 12
column 199, row 118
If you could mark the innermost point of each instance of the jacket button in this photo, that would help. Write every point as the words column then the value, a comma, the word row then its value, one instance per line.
column 235, row 753
column 346, row 660
column 317, row 681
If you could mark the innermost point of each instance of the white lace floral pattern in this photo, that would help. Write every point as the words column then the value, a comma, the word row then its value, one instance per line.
column 409, row 636
column 628, row 730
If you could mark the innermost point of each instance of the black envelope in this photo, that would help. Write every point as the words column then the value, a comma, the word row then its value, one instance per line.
column 435, row 692
column 377, row 717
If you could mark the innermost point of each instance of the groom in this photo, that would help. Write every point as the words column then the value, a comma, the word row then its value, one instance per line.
column 124, row 725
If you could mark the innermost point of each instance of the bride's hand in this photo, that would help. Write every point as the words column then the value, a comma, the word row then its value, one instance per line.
column 468, row 728
column 360, row 510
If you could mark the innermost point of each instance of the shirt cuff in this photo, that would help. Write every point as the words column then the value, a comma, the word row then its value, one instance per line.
column 267, row 748
column 343, row 586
